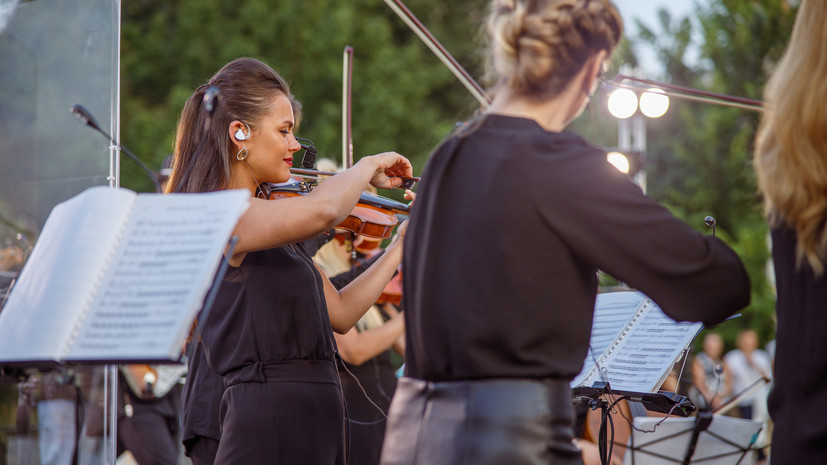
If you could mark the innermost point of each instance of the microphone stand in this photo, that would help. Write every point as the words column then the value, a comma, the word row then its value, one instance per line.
column 85, row 117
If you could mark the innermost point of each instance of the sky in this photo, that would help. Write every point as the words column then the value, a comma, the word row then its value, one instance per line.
column 645, row 11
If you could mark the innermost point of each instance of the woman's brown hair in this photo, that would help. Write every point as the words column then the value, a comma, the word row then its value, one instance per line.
column 246, row 90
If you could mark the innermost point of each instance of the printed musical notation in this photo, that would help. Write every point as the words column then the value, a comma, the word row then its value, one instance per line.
column 134, row 271
column 634, row 344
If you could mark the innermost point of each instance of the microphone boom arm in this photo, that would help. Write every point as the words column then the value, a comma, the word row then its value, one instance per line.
column 84, row 116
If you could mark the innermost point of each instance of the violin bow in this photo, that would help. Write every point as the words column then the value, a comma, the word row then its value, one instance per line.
column 347, row 79
column 447, row 59
column 477, row 91
column 688, row 93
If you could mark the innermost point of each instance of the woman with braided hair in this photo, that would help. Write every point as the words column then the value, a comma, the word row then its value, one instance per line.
column 490, row 355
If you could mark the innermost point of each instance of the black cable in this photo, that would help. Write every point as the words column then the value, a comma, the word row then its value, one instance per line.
column 80, row 413
column 362, row 388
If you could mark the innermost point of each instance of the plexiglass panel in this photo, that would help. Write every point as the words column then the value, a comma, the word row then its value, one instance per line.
column 53, row 54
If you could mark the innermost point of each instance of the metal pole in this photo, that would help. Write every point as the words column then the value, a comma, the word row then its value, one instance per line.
column 639, row 122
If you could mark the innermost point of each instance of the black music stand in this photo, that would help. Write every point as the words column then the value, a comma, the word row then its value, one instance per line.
column 662, row 401
column 596, row 396
column 708, row 439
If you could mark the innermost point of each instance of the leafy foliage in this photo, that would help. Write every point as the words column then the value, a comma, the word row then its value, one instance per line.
column 704, row 165
column 404, row 99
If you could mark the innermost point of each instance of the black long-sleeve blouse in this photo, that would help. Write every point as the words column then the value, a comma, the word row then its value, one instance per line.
column 510, row 226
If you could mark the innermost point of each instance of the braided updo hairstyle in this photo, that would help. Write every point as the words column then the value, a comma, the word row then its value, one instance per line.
column 537, row 46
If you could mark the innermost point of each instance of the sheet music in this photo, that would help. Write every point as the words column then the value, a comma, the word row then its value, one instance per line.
column 645, row 356
column 612, row 312
column 161, row 273
column 634, row 343
column 49, row 294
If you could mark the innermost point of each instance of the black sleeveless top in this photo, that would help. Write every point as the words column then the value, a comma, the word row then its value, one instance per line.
column 271, row 308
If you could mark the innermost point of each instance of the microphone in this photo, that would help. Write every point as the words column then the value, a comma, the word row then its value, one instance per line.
column 309, row 159
column 84, row 116
column 710, row 221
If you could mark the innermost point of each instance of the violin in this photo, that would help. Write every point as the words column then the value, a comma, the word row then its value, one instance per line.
column 392, row 292
column 373, row 216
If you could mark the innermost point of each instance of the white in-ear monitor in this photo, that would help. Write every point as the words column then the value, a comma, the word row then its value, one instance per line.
column 239, row 135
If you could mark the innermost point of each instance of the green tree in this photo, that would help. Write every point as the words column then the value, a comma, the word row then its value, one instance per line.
column 704, row 165
column 404, row 99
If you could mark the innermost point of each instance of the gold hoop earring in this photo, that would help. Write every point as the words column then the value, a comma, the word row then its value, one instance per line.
column 242, row 154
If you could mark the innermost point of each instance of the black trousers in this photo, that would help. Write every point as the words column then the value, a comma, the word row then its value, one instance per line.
column 201, row 450
column 484, row 422
column 149, row 437
column 286, row 413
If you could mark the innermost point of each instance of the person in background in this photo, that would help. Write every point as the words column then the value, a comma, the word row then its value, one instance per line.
column 748, row 366
column 711, row 379
column 148, row 418
column 751, row 371
column 368, row 376
column 791, row 163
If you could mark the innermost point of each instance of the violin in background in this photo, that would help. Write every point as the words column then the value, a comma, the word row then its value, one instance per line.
column 368, row 247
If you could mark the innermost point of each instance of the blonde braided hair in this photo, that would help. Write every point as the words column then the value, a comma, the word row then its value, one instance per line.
column 537, row 46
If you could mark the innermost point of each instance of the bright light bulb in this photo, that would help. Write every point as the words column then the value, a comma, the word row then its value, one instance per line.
column 654, row 103
column 622, row 103
column 619, row 161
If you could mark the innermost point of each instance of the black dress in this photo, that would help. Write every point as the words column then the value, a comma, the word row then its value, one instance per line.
column 269, row 335
column 798, row 400
column 512, row 223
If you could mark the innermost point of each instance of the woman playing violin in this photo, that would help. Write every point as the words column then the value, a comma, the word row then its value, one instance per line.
column 269, row 333
column 500, row 283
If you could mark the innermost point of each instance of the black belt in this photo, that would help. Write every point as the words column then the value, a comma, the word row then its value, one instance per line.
column 305, row 371
column 485, row 421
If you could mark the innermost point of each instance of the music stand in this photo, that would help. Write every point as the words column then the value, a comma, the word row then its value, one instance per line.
column 708, row 439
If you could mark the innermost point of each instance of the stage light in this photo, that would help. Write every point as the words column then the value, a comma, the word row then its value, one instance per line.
column 654, row 103
column 619, row 161
column 622, row 103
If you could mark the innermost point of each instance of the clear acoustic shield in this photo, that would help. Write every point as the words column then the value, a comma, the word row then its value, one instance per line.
column 53, row 54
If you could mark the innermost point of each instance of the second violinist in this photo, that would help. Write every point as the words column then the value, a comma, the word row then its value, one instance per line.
column 367, row 373
column 269, row 333
column 490, row 356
